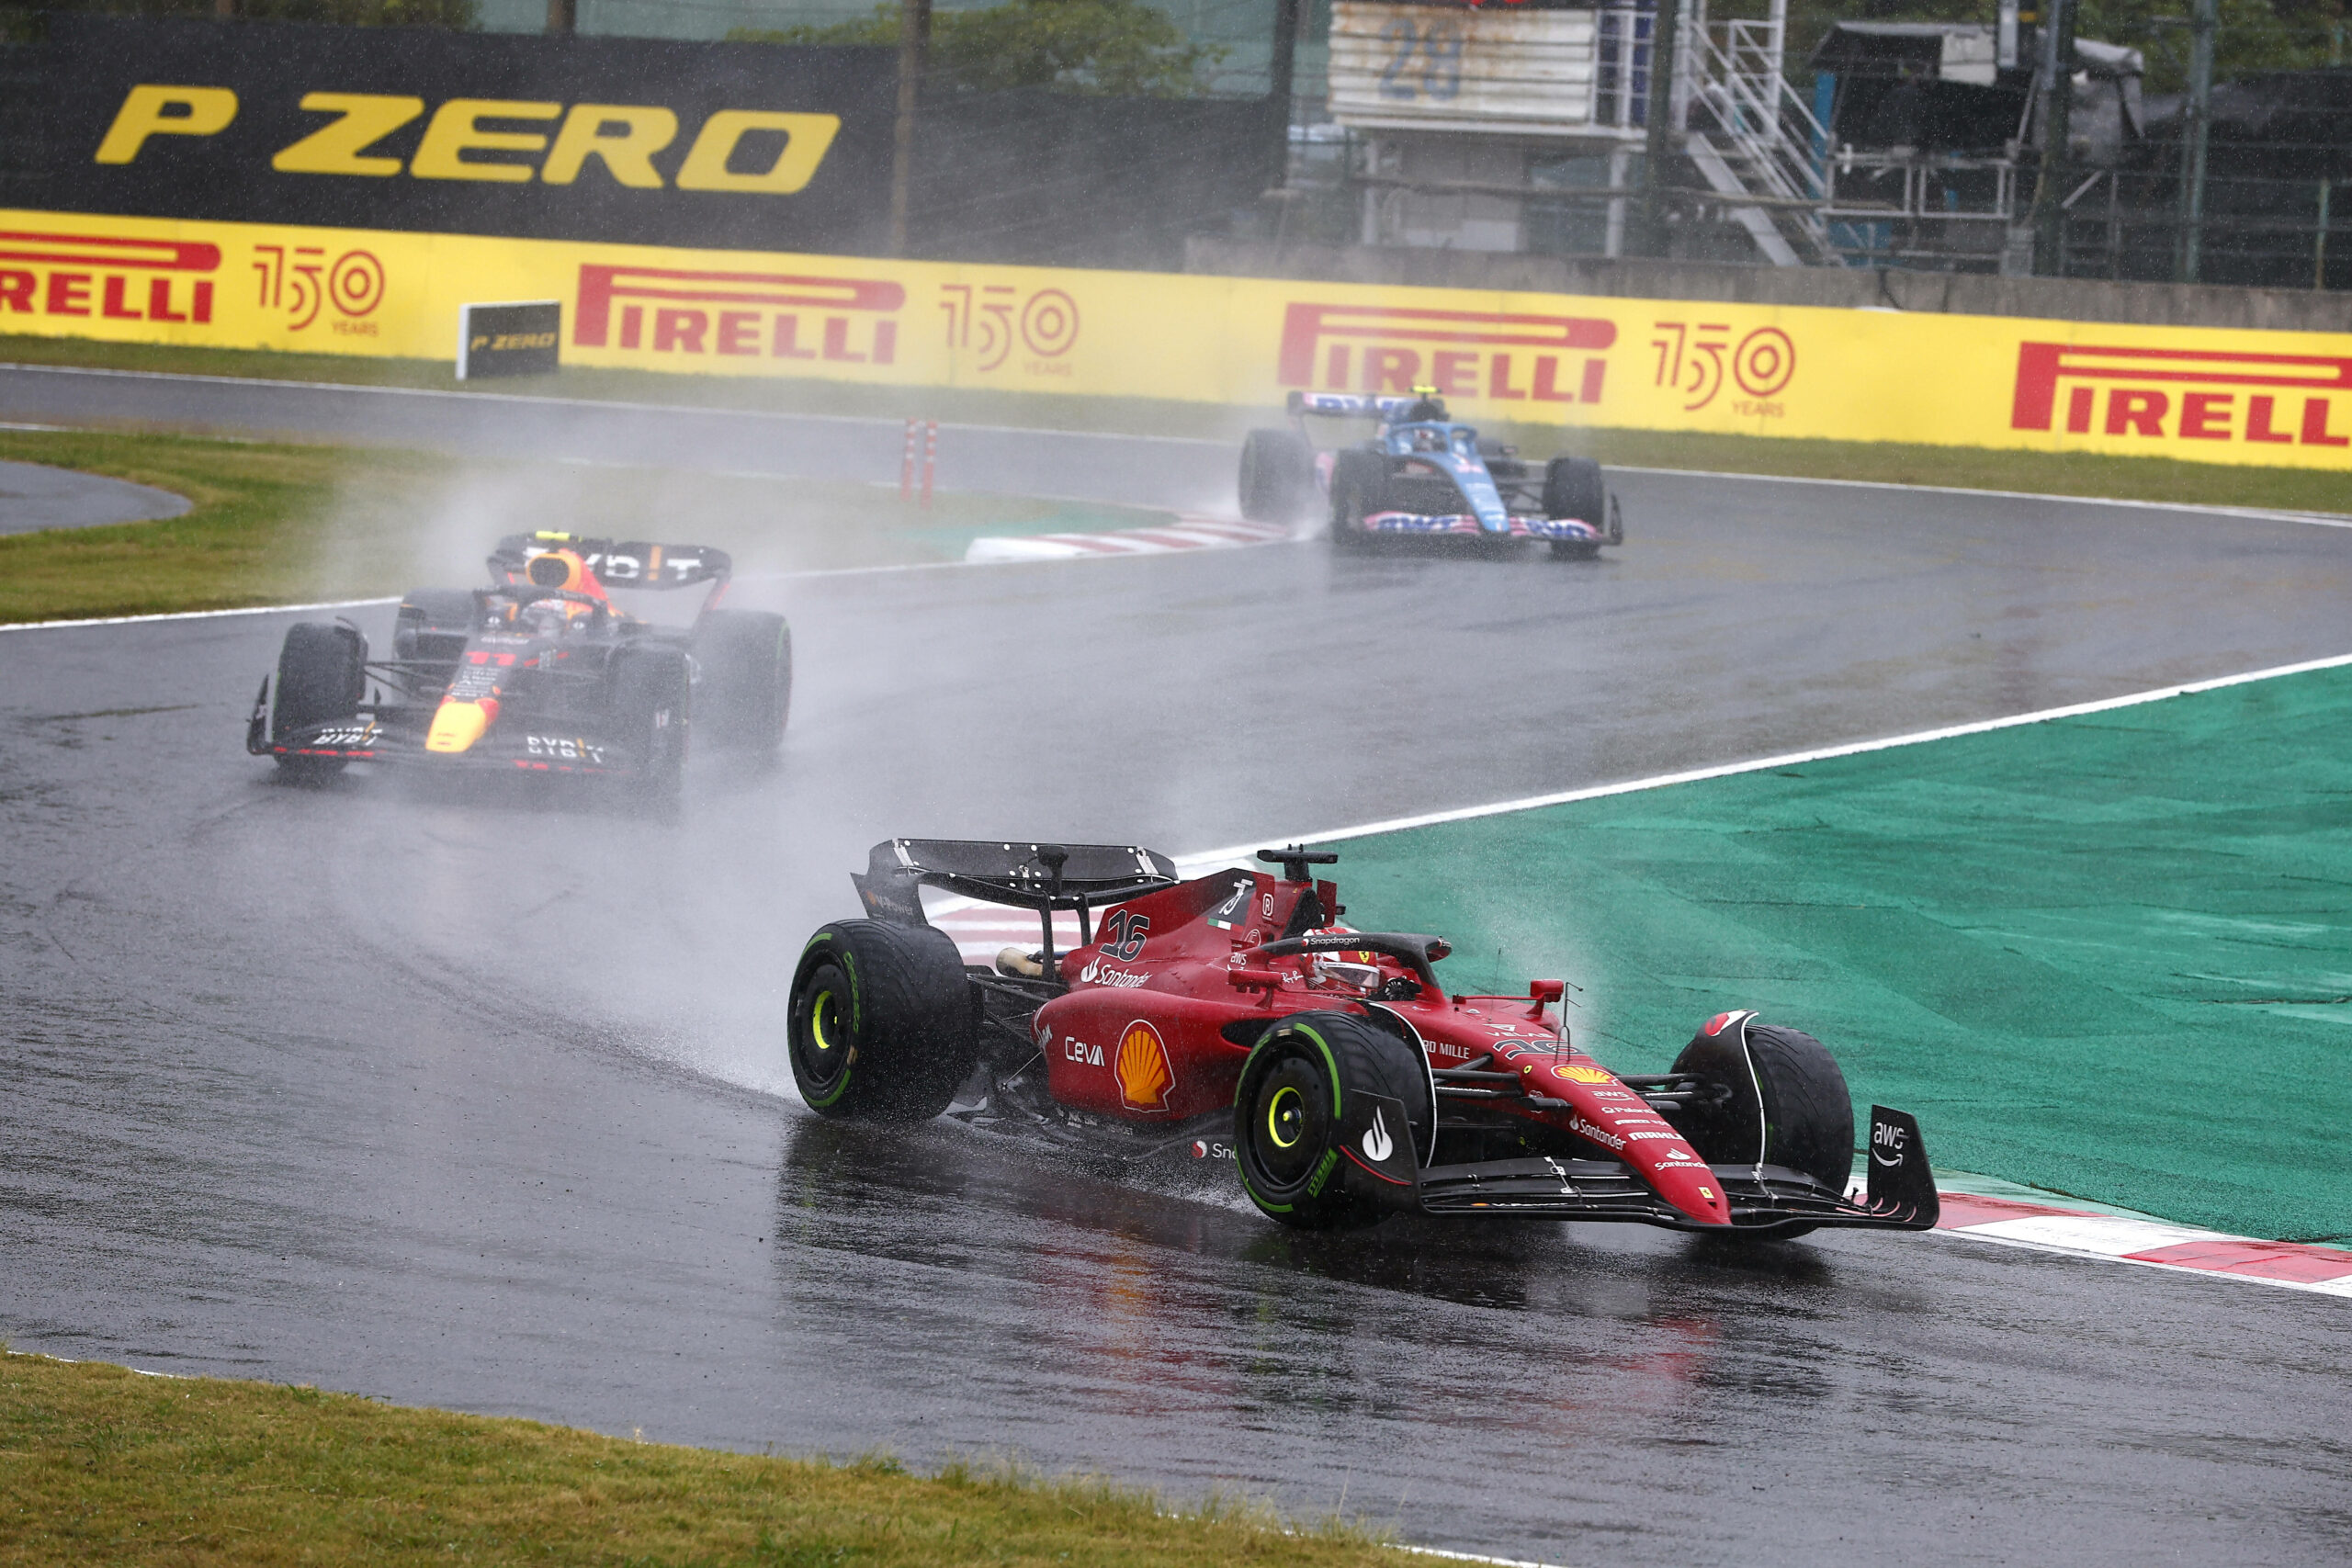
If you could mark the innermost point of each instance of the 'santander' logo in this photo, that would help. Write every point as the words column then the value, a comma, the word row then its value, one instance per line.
column 2140, row 383
column 95, row 275
column 749, row 314
column 1380, row 348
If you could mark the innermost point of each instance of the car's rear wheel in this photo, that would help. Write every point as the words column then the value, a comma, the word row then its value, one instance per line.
column 1291, row 1105
column 1277, row 476
column 1808, row 1113
column 882, row 1023
column 745, row 693
column 651, row 715
column 1357, row 480
column 322, row 676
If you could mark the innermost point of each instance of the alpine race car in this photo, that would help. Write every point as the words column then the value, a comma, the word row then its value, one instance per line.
column 1421, row 474
column 583, row 656
column 1235, row 1016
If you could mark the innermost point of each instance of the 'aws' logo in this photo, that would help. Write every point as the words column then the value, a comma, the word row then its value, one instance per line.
column 624, row 138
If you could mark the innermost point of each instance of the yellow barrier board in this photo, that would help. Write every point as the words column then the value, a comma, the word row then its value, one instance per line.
column 2194, row 393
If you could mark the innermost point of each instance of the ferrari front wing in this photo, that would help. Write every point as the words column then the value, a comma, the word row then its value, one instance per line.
column 1900, row 1193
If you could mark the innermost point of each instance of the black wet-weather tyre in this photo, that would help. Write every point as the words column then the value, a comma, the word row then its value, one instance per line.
column 1808, row 1112
column 882, row 1023
column 432, row 624
column 1277, row 476
column 744, row 695
column 653, row 714
column 1357, row 480
column 1574, row 487
column 1289, row 1107
column 322, row 676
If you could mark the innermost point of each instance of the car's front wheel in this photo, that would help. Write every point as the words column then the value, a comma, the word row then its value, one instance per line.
column 321, row 675
column 1291, row 1112
column 1357, row 478
column 1804, row 1120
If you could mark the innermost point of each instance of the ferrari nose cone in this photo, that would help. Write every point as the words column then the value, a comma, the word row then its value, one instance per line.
column 457, row 723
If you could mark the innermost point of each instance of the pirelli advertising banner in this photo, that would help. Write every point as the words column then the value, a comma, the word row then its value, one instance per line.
column 2204, row 395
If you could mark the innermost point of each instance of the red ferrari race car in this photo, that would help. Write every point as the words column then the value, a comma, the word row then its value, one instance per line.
column 590, row 656
column 1235, row 1015
column 1421, row 474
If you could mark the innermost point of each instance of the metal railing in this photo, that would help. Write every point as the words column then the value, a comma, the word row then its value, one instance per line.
column 1761, row 131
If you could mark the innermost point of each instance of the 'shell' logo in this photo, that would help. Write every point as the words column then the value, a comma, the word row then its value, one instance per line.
column 1143, row 1071
column 1469, row 354
column 751, row 313
column 2148, row 392
column 107, row 276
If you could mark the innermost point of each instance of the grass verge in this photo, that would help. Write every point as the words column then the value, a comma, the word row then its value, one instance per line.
column 100, row 1464
column 1967, row 468
column 281, row 525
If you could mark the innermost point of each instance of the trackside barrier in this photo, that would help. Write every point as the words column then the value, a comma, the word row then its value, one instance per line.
column 2197, row 394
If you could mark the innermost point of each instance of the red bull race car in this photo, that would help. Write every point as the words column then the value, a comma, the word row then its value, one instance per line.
column 1421, row 474
column 1235, row 1017
column 583, row 656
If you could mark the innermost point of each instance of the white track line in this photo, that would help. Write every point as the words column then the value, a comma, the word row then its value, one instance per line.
column 2318, row 519
column 196, row 615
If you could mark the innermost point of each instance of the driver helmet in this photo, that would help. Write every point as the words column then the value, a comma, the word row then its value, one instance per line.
column 1427, row 441
column 561, row 569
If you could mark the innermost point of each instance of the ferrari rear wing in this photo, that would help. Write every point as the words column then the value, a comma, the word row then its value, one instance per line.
column 1043, row 877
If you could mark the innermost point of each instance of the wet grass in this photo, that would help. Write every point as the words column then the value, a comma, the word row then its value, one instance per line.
column 2128, row 478
column 100, row 1464
column 277, row 524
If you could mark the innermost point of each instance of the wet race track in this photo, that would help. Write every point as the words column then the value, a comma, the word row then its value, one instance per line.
column 480, row 1101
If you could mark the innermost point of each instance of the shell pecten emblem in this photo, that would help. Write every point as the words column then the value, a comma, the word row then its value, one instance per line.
column 1585, row 1075
column 1143, row 1069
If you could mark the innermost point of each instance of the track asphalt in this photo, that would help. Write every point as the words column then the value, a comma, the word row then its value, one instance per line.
column 474, row 1099
column 35, row 496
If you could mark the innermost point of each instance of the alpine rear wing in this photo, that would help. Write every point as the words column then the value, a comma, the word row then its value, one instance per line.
column 1356, row 403
column 618, row 563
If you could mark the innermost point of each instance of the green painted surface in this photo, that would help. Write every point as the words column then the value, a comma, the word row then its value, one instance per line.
column 2109, row 957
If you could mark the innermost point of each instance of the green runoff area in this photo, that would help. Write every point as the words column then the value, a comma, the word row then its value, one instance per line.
column 99, row 1464
column 2108, row 956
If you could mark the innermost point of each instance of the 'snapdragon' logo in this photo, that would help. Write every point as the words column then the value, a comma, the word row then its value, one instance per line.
column 1466, row 354
column 2186, row 394
column 751, row 313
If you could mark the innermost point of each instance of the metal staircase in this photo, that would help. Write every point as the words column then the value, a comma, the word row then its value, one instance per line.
column 1751, row 136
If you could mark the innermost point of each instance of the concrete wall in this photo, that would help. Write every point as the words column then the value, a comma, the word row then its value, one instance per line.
column 1971, row 294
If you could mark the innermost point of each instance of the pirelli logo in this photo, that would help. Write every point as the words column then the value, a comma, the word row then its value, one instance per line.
column 2276, row 398
column 1464, row 354
column 754, row 314
column 106, row 278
